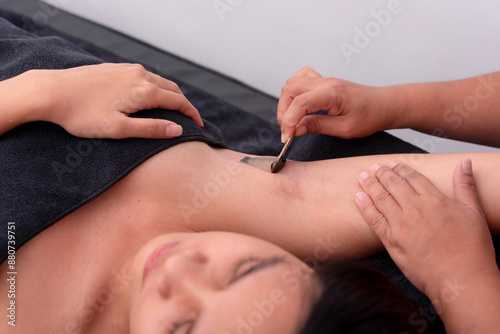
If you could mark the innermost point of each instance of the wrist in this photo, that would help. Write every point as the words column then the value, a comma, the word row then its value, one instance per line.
column 451, row 289
column 392, row 104
column 422, row 106
column 466, row 304
column 40, row 91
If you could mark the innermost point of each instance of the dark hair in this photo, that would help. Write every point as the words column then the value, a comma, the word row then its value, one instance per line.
column 358, row 300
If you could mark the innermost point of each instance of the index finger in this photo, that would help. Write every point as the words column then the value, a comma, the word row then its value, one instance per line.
column 163, row 83
column 185, row 108
column 292, row 89
column 173, row 101
column 304, row 104
column 190, row 111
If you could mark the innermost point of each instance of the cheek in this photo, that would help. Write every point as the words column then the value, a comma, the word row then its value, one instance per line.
column 268, row 306
column 148, row 316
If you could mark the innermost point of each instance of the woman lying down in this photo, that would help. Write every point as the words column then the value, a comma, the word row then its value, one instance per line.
column 193, row 240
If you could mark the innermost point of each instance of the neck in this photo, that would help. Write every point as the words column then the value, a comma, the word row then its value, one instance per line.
column 78, row 271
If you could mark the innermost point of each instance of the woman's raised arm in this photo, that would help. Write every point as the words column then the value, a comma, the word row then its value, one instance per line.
column 309, row 208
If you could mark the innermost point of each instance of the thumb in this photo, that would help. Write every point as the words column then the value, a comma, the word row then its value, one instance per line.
column 465, row 187
column 146, row 128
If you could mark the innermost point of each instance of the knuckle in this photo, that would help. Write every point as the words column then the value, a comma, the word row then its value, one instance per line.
column 182, row 103
column 339, row 89
column 138, row 71
column 412, row 175
column 153, row 130
column 405, row 170
column 468, row 185
column 138, row 67
column 437, row 200
column 391, row 180
column 279, row 117
column 347, row 130
column 291, row 80
column 107, row 127
column 381, row 197
column 302, row 101
column 119, row 130
column 315, row 125
column 377, row 220
column 305, row 71
column 175, row 87
column 149, row 88
column 286, row 90
column 370, row 182
column 143, row 91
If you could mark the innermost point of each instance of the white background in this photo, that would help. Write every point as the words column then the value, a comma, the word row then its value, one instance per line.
column 263, row 42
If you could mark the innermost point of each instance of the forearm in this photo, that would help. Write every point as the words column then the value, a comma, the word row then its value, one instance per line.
column 466, row 110
column 23, row 100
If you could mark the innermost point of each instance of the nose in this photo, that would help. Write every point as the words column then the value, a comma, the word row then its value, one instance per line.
column 185, row 271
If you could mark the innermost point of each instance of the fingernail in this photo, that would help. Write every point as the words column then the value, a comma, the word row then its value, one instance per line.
column 364, row 175
column 301, row 130
column 173, row 130
column 283, row 138
column 467, row 166
column 375, row 168
column 360, row 196
column 393, row 164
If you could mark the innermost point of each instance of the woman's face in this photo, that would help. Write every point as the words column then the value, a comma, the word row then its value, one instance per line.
column 219, row 283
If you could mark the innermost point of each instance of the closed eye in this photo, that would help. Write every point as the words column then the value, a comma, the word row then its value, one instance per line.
column 178, row 327
column 252, row 265
column 242, row 269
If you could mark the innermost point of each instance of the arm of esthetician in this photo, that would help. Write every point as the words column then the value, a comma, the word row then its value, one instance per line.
column 466, row 109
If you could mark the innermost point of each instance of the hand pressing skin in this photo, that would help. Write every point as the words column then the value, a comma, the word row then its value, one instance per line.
column 95, row 101
column 435, row 240
column 353, row 110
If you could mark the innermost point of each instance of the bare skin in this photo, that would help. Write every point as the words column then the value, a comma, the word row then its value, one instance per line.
column 79, row 256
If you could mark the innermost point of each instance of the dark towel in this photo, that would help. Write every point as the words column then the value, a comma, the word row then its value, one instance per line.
column 47, row 173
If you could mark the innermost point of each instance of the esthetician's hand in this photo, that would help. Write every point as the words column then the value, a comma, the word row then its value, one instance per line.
column 353, row 110
column 432, row 238
column 95, row 101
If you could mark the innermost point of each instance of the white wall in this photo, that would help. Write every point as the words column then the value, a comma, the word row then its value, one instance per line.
column 263, row 42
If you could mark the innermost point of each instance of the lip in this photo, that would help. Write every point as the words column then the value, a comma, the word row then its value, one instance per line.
column 156, row 256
